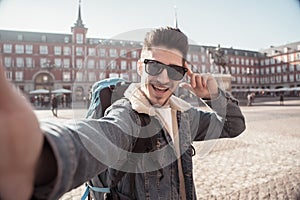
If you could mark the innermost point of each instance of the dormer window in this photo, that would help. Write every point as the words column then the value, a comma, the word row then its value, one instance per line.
column 79, row 38
column 44, row 38
column 66, row 39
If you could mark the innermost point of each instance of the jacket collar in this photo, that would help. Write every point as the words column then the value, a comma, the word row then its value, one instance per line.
column 141, row 104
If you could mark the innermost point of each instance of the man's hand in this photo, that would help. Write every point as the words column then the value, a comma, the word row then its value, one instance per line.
column 202, row 85
column 21, row 142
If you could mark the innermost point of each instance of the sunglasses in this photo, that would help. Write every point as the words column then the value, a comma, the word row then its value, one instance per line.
column 154, row 68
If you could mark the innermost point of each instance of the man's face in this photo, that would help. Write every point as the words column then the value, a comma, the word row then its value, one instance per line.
column 159, row 88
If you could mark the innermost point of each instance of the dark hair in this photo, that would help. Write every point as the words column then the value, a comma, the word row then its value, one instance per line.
column 167, row 37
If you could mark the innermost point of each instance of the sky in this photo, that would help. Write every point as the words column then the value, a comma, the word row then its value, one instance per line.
column 241, row 24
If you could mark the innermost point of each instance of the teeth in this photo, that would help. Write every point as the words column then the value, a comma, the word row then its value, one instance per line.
column 160, row 88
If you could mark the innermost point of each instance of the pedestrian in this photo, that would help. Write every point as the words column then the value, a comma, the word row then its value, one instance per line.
column 58, row 157
column 54, row 105
column 281, row 99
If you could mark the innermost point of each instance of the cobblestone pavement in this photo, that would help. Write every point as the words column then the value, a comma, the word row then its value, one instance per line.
column 262, row 163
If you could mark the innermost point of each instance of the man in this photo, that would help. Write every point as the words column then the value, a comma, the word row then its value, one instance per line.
column 54, row 105
column 46, row 160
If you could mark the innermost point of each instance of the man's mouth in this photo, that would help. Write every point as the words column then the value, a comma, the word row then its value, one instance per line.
column 159, row 89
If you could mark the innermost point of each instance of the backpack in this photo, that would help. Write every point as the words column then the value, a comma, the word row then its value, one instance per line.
column 103, row 94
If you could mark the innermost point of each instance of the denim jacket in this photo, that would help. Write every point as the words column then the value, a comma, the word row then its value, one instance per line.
column 85, row 148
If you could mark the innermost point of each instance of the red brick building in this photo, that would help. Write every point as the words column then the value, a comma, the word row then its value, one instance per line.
column 35, row 60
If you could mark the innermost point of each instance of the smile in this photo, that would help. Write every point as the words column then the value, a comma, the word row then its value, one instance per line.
column 160, row 89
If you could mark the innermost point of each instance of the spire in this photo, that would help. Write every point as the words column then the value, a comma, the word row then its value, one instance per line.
column 175, row 19
column 79, row 20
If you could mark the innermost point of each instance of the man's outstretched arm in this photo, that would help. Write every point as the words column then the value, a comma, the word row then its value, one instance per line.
column 21, row 142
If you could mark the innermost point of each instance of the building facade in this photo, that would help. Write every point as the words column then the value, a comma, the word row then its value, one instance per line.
column 35, row 60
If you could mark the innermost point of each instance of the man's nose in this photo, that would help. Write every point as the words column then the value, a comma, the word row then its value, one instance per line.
column 163, row 77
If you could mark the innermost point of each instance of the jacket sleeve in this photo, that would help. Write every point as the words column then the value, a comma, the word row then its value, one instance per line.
column 84, row 148
column 225, row 119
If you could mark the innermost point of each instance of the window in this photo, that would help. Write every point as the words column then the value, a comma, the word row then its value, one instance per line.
column 134, row 54
column 278, row 78
column 91, row 52
column 19, row 49
column 291, row 76
column 195, row 58
column 43, row 63
column 57, row 62
column 238, row 79
column 28, row 49
column 79, row 38
column 298, row 56
column 267, row 70
column 7, row 61
column 262, row 71
column 123, row 65
column 238, row 70
column 66, row 76
column 133, row 65
column 231, row 60
column 262, row 62
column 79, row 51
column 20, row 37
column 284, row 68
column 91, row 64
column 79, row 76
column 113, row 53
column 267, row 61
column 233, row 70
column 279, row 69
column 285, row 58
column 242, row 61
column 20, row 62
column 102, row 64
column 8, row 75
column 66, row 63
column 19, row 76
column 113, row 64
column 203, row 58
column 67, row 51
column 298, row 67
column 257, row 71
column 273, row 70
column 123, row 53
column 66, row 39
column 203, row 69
column 44, row 38
column 237, row 61
column 43, row 50
column 57, row 50
column 29, row 62
column 297, row 77
column 92, row 77
column 272, row 79
column 102, row 52
column 284, row 78
column 247, row 62
column 272, row 61
column 291, row 57
column 7, row 48
column 79, row 63
column 251, row 62
column 291, row 68
column 188, row 57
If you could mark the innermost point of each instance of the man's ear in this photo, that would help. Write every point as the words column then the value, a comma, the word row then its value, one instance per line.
column 139, row 67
